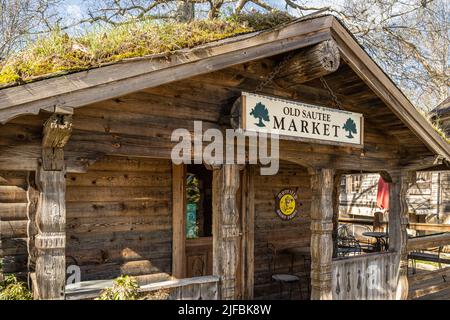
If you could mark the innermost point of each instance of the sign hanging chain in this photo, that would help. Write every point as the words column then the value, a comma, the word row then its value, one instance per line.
column 278, row 69
column 274, row 73
column 336, row 102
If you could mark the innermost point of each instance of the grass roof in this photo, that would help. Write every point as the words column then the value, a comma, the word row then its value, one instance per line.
column 60, row 53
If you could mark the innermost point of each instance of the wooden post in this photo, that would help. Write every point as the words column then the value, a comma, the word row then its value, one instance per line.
column 398, row 222
column 32, row 206
column 179, row 221
column 336, row 204
column 248, row 230
column 50, row 241
column 321, row 233
column 226, row 230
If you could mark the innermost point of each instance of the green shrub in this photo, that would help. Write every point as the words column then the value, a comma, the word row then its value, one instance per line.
column 124, row 288
column 12, row 289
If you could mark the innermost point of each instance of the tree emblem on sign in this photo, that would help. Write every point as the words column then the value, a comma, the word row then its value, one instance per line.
column 260, row 112
column 350, row 127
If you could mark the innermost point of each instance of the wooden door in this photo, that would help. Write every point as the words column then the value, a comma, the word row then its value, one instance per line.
column 199, row 257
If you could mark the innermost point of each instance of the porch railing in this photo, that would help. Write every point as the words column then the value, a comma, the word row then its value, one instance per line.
column 369, row 276
column 198, row 288
column 204, row 288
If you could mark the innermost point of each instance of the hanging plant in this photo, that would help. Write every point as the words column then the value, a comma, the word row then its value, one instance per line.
column 193, row 191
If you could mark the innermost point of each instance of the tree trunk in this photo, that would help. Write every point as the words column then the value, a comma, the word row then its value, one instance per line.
column 185, row 11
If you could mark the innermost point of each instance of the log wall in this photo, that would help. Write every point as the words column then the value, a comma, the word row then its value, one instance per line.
column 270, row 228
column 13, row 222
column 119, row 218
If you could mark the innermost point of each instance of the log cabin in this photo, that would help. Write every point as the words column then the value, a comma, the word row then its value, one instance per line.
column 87, row 178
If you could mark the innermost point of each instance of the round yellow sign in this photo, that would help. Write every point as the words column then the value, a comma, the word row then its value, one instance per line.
column 286, row 204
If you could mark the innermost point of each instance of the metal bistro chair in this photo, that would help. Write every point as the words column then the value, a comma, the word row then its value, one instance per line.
column 347, row 244
column 288, row 279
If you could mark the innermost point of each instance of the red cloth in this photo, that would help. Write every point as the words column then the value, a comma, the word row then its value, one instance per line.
column 383, row 194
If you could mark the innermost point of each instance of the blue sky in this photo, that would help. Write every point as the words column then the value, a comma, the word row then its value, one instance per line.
column 74, row 9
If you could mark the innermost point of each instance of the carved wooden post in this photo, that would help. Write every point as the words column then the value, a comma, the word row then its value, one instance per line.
column 398, row 222
column 321, row 233
column 226, row 230
column 33, row 200
column 51, row 213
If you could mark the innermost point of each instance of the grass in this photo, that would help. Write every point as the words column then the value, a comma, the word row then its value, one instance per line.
column 60, row 53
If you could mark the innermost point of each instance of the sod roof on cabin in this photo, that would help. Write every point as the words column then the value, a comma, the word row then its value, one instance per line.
column 58, row 53
column 443, row 109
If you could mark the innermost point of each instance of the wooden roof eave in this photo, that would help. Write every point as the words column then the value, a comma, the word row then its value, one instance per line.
column 386, row 90
column 95, row 85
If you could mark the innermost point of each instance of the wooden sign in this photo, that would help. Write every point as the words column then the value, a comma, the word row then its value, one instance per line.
column 300, row 121
column 286, row 204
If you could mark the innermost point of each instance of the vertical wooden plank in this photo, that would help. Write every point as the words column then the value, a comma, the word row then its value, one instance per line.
column 226, row 229
column 249, row 240
column 175, row 294
column 321, row 233
column 208, row 291
column 186, row 292
column 178, row 221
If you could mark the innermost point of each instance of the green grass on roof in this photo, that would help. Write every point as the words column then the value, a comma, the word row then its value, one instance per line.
column 436, row 124
column 59, row 52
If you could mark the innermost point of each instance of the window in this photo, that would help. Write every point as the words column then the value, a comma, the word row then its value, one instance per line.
column 198, row 202
column 354, row 183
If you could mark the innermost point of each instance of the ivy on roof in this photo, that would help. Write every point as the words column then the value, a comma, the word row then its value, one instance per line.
column 59, row 53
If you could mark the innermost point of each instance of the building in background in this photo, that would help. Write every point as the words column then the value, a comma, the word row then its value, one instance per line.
column 428, row 199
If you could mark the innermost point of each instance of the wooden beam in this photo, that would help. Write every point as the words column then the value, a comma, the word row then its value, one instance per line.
column 423, row 163
column 226, row 228
column 310, row 63
column 427, row 242
column 56, row 133
column 322, row 182
column 57, row 130
column 178, row 221
column 429, row 227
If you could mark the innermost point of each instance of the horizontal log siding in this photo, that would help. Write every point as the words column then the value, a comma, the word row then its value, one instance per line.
column 13, row 222
column 119, row 218
column 268, row 227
